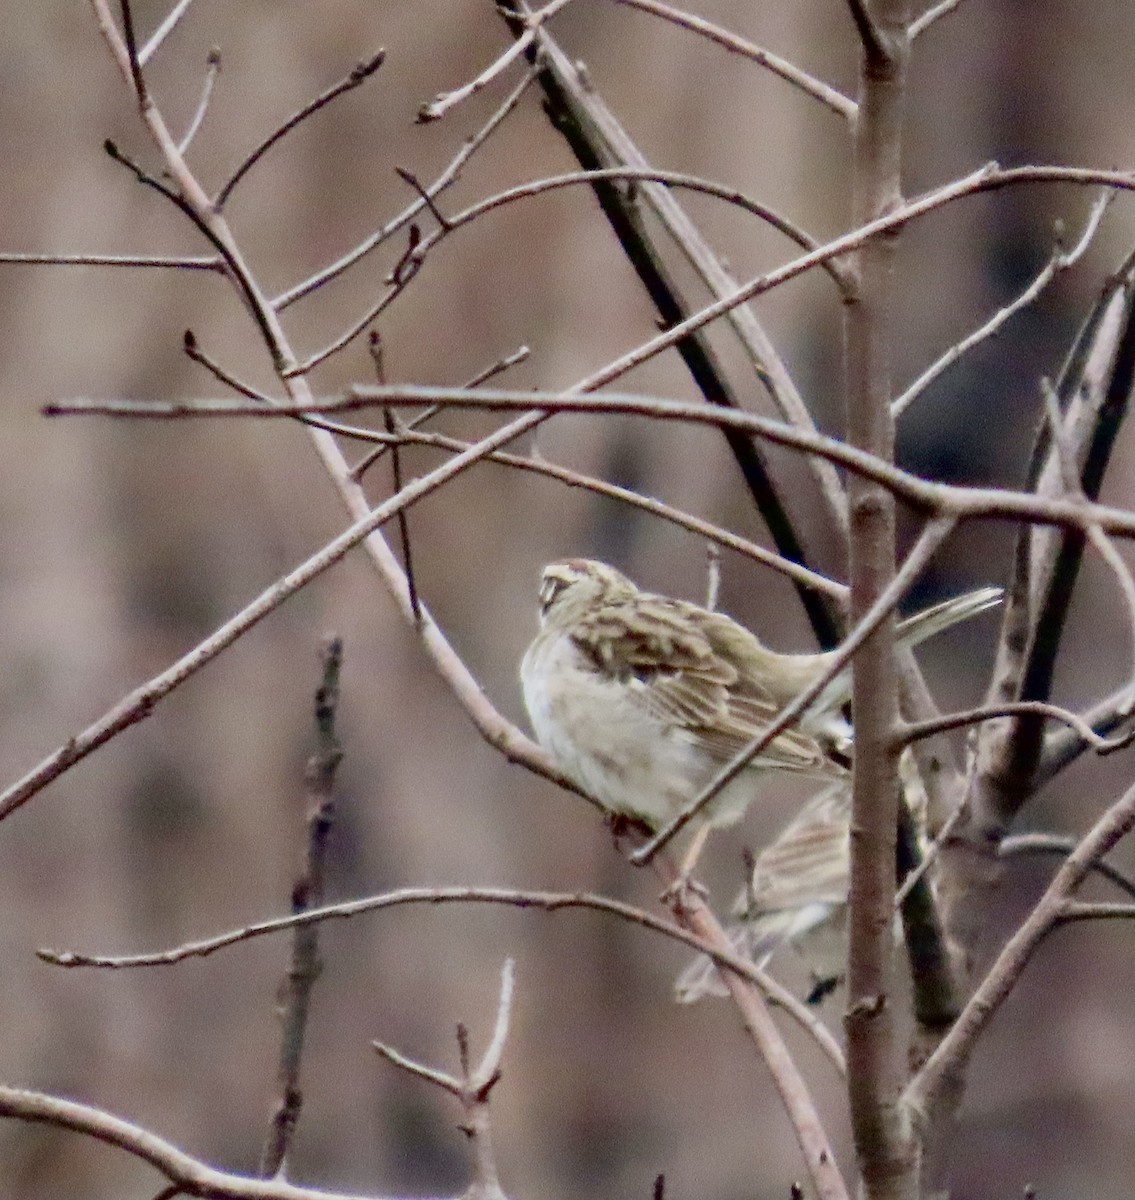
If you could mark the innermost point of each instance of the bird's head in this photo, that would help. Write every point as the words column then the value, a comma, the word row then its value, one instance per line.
column 573, row 585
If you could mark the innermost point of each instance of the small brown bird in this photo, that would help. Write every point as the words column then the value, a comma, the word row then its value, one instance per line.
column 642, row 699
column 796, row 897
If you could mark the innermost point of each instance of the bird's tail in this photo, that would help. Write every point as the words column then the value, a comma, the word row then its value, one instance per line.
column 933, row 620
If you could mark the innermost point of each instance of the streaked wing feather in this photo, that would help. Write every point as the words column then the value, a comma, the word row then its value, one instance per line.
column 680, row 677
column 808, row 861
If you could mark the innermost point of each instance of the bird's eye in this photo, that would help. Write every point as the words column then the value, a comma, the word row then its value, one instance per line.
column 550, row 588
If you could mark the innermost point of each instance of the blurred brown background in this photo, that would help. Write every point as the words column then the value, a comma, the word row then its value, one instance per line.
column 125, row 544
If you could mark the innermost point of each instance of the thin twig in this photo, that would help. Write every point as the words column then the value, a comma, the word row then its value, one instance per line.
column 928, row 18
column 1060, row 260
column 841, row 105
column 451, row 173
column 724, row 953
column 132, row 51
column 419, row 246
column 189, row 1174
column 212, row 69
column 1060, row 845
column 308, row 893
column 163, row 31
column 396, row 480
column 441, row 104
column 168, row 261
column 973, row 716
column 1064, row 746
column 712, row 533
column 1082, row 910
column 360, row 73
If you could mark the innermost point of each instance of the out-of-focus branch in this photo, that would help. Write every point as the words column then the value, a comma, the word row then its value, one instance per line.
column 1019, row 845
column 305, row 967
column 947, row 1065
column 1094, row 394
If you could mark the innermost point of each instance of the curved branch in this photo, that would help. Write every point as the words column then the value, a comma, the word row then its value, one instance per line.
column 189, row 1175
column 721, row 952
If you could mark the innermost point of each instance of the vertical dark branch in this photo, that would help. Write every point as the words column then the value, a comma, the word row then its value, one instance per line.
column 308, row 893
column 396, row 478
column 1094, row 401
column 131, row 41
column 568, row 114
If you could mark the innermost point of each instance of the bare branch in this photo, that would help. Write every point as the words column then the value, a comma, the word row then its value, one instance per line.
column 830, row 97
column 441, row 1079
column 189, row 1175
column 443, row 181
column 930, row 16
column 932, row 499
column 597, row 139
column 949, row 1060
column 1064, row 746
column 212, row 69
column 874, row 45
column 1061, row 260
column 1079, row 910
column 441, row 104
column 721, row 952
column 715, row 534
column 305, row 967
column 420, row 246
column 172, row 262
column 696, row 916
column 359, row 74
column 163, row 31
column 973, row 716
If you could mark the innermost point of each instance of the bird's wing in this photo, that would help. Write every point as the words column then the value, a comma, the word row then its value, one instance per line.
column 676, row 672
column 808, row 862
